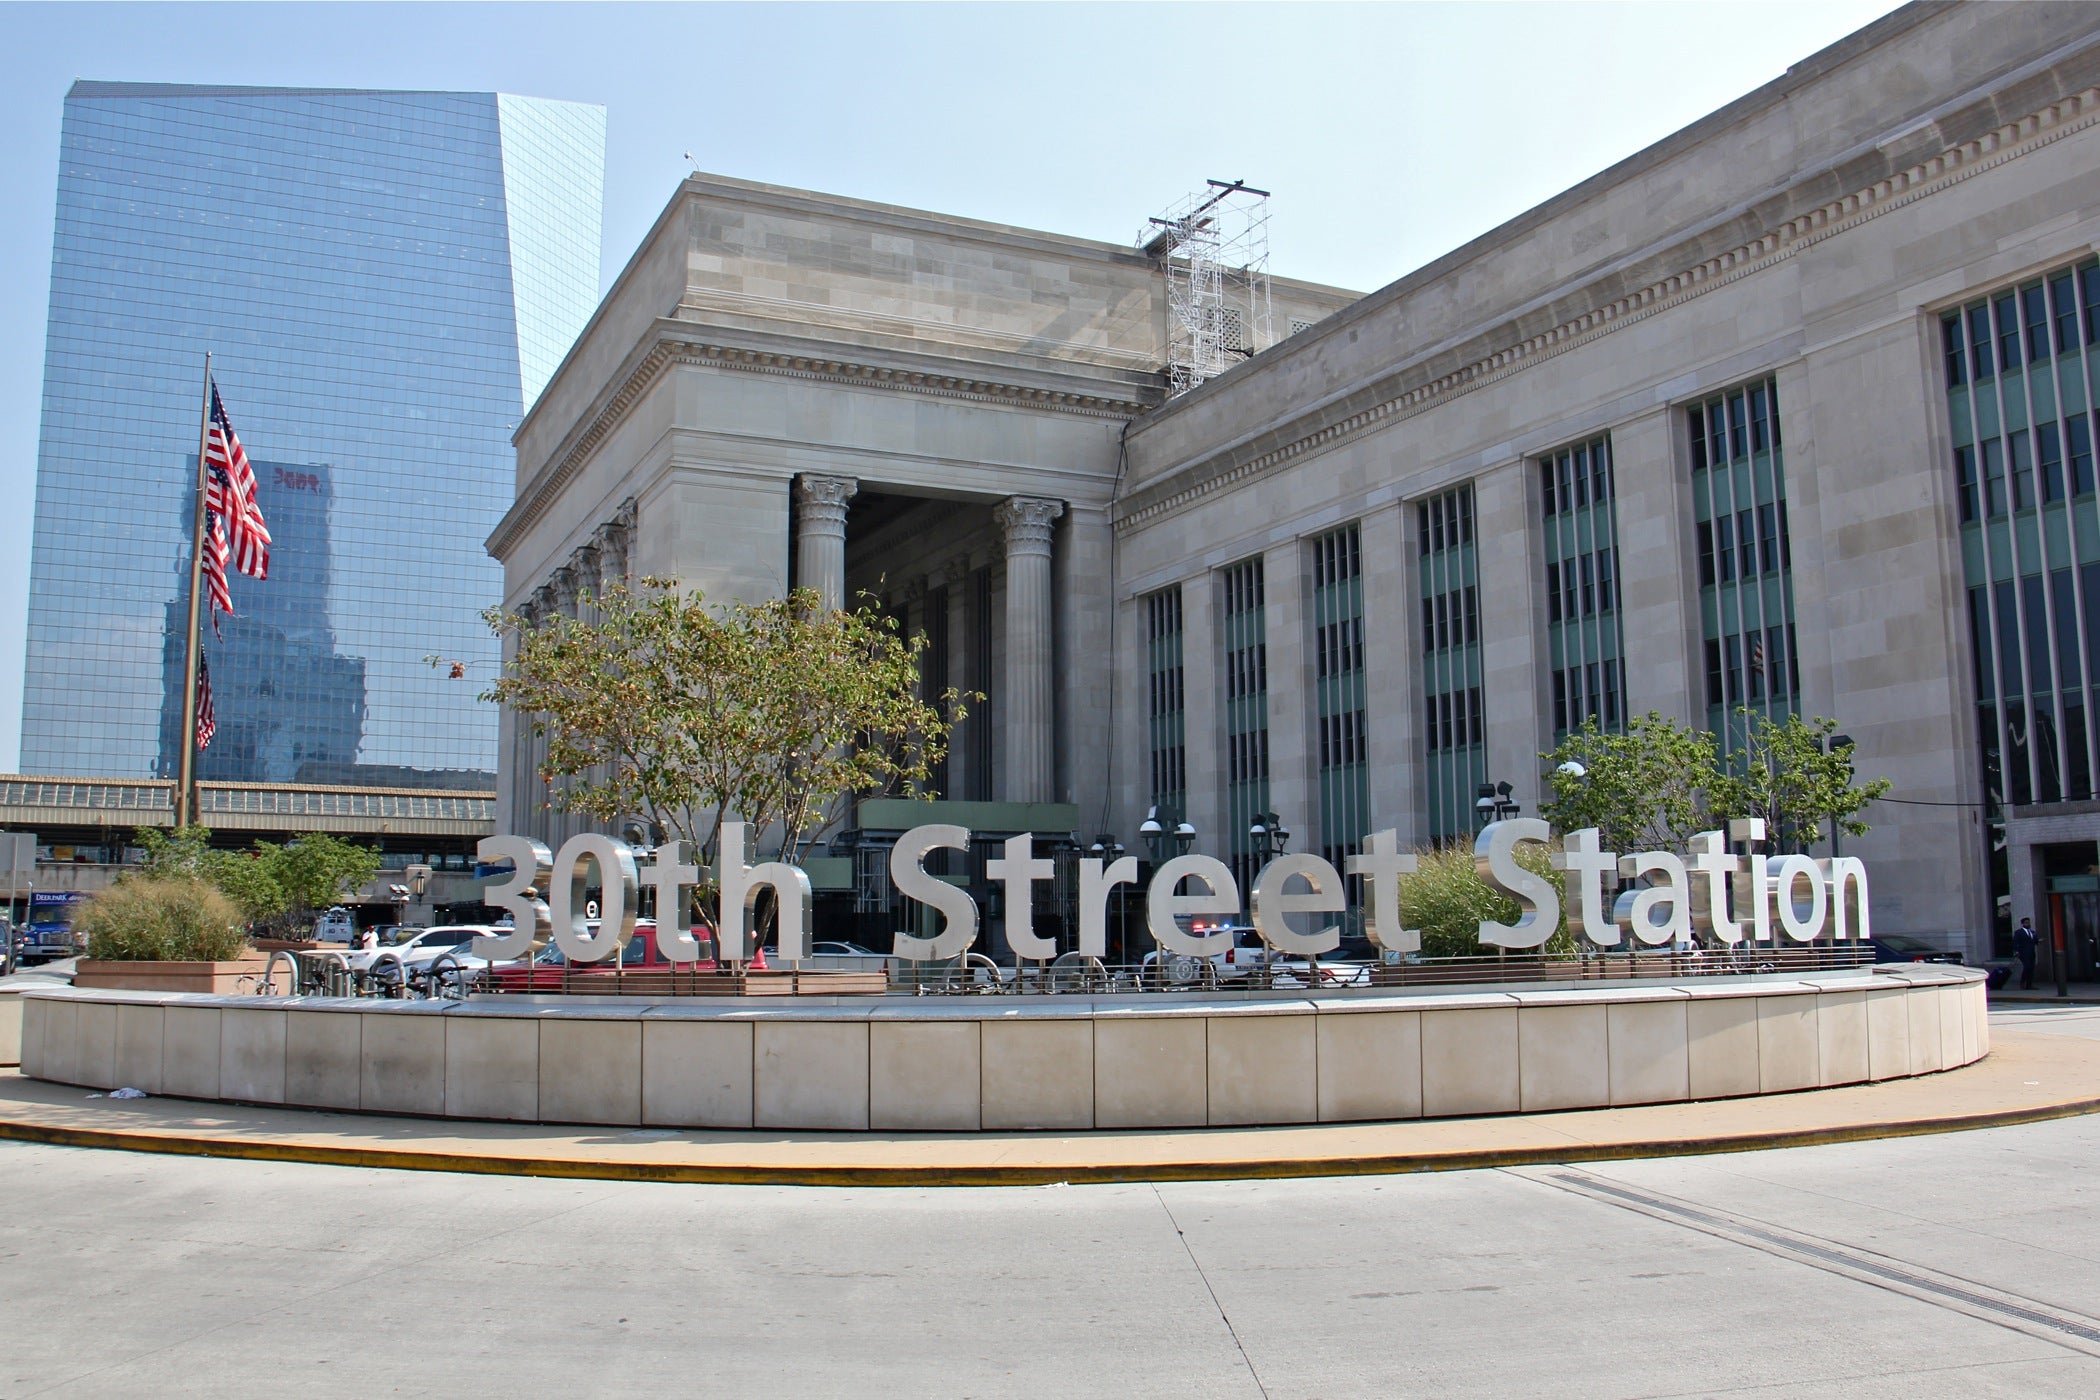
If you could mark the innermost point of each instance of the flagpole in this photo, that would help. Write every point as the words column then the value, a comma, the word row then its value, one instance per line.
column 186, row 793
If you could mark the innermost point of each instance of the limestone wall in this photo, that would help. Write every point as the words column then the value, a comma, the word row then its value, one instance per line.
column 1051, row 1063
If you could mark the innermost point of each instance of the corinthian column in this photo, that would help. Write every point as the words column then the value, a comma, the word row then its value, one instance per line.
column 1031, row 735
column 820, row 535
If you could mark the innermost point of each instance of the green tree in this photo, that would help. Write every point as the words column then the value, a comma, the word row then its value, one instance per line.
column 316, row 870
column 266, row 882
column 244, row 877
column 1447, row 900
column 1643, row 790
column 1791, row 775
column 660, row 705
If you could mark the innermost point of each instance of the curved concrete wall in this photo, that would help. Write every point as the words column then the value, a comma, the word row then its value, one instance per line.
column 997, row 1063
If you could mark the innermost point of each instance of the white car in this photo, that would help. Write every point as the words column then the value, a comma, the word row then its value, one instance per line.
column 1347, row 966
column 832, row 955
column 425, row 946
column 1246, row 955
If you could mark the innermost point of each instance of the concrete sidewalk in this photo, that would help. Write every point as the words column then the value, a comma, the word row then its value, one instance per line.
column 2026, row 1078
column 2081, row 993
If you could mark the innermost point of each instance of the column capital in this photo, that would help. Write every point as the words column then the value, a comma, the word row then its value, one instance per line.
column 563, row 587
column 611, row 540
column 1026, row 521
column 826, row 493
column 820, row 535
column 956, row 572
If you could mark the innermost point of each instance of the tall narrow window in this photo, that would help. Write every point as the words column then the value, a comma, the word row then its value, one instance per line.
column 979, row 724
column 1340, row 702
column 1582, row 632
column 1166, row 708
column 1244, row 625
column 1740, row 523
column 1455, row 756
column 933, row 675
column 2023, row 446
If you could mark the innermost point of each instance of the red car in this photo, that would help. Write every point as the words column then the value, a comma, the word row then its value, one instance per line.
column 549, row 970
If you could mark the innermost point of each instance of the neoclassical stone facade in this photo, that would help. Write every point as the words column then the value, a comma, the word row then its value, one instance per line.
column 1719, row 427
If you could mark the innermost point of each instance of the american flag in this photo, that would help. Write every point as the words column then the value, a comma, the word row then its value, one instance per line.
column 232, row 495
column 207, row 723
column 214, row 568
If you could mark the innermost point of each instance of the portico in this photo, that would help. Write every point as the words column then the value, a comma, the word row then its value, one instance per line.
column 931, row 418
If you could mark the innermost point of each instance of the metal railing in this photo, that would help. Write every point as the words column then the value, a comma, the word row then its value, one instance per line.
column 453, row 977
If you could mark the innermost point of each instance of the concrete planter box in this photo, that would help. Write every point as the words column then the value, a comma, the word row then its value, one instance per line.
column 220, row 977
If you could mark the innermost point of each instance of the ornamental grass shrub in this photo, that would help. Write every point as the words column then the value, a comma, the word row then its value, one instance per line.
column 170, row 918
column 1447, row 900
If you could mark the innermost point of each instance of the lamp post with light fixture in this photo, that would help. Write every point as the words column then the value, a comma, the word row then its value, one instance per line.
column 1108, row 850
column 1493, row 803
column 1162, row 839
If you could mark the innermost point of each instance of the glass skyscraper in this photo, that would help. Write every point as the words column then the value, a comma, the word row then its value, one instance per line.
column 385, row 281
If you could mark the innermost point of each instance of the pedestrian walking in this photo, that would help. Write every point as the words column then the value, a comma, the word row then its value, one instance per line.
column 2023, row 949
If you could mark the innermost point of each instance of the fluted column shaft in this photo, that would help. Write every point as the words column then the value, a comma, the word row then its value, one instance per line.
column 820, row 535
column 1027, row 695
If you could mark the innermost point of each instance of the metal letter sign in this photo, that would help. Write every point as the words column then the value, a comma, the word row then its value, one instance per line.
column 1715, row 893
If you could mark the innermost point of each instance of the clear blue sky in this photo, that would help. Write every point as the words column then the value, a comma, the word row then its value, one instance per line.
column 1389, row 134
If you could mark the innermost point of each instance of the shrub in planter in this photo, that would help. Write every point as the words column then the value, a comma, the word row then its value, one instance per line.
column 1446, row 899
column 177, row 918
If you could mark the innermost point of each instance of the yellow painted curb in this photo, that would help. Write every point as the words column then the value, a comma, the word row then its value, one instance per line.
column 1035, row 1174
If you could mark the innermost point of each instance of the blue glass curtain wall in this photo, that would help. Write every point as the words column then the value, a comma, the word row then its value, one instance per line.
column 347, row 258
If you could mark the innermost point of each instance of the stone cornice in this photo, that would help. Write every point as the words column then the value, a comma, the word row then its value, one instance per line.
column 1238, row 462
column 540, row 494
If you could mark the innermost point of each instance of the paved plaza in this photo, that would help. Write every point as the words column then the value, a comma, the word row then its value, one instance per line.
column 1960, row 1264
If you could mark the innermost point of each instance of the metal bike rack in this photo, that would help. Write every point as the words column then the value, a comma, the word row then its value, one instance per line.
column 268, row 986
column 370, row 983
column 1078, row 972
column 325, row 972
column 434, row 977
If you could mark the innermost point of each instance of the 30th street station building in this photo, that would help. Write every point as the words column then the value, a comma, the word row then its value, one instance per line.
column 1793, row 410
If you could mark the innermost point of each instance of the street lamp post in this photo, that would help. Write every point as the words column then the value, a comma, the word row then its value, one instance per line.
column 418, row 880
column 1153, row 835
column 1493, row 803
column 1108, row 850
column 1269, row 835
column 1162, row 840
column 1838, row 744
column 1158, row 836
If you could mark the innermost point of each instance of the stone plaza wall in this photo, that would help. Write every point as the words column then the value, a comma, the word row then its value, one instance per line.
column 1006, row 1063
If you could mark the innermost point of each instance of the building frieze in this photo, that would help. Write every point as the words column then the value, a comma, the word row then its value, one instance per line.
column 534, row 502
column 1951, row 165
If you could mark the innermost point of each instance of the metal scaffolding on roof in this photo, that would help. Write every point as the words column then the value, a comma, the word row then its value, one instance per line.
column 1213, row 248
